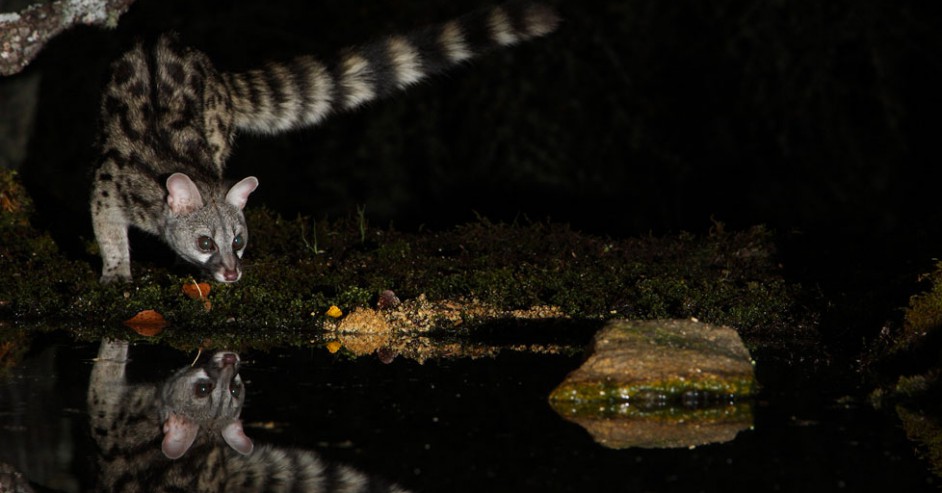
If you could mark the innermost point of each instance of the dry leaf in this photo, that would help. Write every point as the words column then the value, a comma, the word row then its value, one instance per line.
column 334, row 312
column 333, row 346
column 147, row 323
column 196, row 290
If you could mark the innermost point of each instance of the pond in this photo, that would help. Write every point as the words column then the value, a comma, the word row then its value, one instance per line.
column 463, row 424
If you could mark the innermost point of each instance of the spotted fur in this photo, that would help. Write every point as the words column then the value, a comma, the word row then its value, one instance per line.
column 184, row 434
column 170, row 118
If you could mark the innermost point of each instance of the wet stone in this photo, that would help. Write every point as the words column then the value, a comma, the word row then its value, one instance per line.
column 663, row 383
column 650, row 362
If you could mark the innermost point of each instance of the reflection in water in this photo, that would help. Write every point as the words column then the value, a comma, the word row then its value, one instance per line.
column 185, row 435
column 671, row 425
column 36, row 440
column 456, row 424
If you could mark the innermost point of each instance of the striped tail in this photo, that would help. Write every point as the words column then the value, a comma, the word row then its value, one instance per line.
column 304, row 91
column 270, row 468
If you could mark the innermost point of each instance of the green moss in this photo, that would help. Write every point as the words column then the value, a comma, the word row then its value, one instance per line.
column 393, row 251
column 912, row 387
column 924, row 315
column 38, row 281
column 13, row 346
column 925, row 430
column 908, row 354
column 724, row 277
column 664, row 414
column 589, row 397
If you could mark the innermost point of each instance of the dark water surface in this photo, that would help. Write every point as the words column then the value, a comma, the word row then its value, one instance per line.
column 464, row 425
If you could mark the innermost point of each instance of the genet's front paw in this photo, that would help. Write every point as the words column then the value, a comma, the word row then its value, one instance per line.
column 115, row 276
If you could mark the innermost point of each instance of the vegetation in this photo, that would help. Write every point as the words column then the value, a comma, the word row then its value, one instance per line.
column 722, row 277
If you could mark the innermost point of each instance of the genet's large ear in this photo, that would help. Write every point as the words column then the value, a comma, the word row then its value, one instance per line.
column 239, row 193
column 182, row 195
column 235, row 437
column 179, row 434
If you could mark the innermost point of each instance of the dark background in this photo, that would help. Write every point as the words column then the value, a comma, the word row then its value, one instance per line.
column 634, row 116
column 818, row 119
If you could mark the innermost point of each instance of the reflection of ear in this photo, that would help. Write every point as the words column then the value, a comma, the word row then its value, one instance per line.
column 239, row 193
column 179, row 434
column 235, row 437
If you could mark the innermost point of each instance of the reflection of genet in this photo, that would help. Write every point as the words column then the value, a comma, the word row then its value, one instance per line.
column 208, row 396
column 185, row 435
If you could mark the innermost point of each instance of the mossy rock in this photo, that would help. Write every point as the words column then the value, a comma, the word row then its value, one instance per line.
column 655, row 361
column 660, row 384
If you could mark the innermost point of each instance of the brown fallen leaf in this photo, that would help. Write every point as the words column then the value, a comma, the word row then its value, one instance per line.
column 196, row 290
column 147, row 323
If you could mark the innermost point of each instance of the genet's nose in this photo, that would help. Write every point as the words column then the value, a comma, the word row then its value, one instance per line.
column 230, row 275
column 229, row 359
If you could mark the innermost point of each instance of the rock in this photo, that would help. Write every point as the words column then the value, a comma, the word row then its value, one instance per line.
column 664, row 383
column 657, row 360
column 364, row 321
column 364, row 331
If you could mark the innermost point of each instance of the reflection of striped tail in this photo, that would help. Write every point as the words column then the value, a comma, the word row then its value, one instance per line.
column 304, row 91
column 297, row 470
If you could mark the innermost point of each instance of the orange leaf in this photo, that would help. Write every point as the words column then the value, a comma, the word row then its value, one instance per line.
column 333, row 346
column 195, row 290
column 147, row 323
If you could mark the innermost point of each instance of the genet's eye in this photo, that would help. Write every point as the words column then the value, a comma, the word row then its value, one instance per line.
column 205, row 244
column 202, row 389
column 238, row 242
column 235, row 389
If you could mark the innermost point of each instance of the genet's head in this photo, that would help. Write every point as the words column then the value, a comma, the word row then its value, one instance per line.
column 209, row 233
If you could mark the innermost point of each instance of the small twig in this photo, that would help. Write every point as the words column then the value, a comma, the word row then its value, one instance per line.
column 361, row 221
column 304, row 238
column 198, row 288
column 199, row 351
